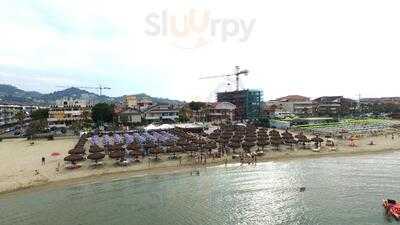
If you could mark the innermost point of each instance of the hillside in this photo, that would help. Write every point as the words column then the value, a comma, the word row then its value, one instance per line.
column 13, row 95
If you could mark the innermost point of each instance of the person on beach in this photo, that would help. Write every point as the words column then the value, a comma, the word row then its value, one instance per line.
column 58, row 167
column 43, row 161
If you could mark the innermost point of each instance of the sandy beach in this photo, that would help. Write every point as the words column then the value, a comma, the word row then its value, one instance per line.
column 19, row 160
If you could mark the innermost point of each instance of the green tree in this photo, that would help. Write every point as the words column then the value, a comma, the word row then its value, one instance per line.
column 36, row 126
column 102, row 113
column 184, row 114
column 20, row 116
column 196, row 106
column 40, row 114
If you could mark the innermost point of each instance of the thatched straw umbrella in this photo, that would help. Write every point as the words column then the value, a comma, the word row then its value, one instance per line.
column 250, row 139
column 155, row 151
column 273, row 132
column 133, row 145
column 275, row 139
column 262, row 143
column 302, row 139
column 73, row 158
column 210, row 146
column 95, row 149
column 235, row 145
column 247, row 146
column 117, row 154
column 174, row 149
column 76, row 151
column 317, row 140
column 96, row 156
column 136, row 153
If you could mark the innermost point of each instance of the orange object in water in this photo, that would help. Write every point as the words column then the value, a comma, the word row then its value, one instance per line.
column 392, row 207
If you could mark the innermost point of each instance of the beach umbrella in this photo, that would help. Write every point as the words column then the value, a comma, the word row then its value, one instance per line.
column 136, row 154
column 262, row 144
column 247, row 146
column 133, row 146
column 317, row 140
column 73, row 158
column 96, row 156
column 234, row 145
column 273, row 132
column 95, row 149
column 276, row 140
column 169, row 143
column 174, row 149
column 117, row 154
column 76, row 151
column 210, row 145
column 149, row 145
column 250, row 139
column 115, row 148
column 155, row 151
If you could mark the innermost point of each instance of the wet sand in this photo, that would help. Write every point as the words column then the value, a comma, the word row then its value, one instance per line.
column 19, row 160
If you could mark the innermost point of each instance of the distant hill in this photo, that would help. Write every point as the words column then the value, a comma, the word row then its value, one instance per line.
column 13, row 95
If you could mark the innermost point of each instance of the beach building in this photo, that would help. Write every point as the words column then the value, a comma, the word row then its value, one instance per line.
column 247, row 102
column 144, row 104
column 159, row 113
column 130, row 101
column 130, row 116
column 8, row 114
column 67, row 111
column 334, row 106
column 291, row 104
column 221, row 112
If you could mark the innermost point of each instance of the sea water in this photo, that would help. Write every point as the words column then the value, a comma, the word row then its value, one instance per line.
column 339, row 190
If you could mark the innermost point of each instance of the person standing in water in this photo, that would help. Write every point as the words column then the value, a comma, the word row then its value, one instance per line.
column 43, row 161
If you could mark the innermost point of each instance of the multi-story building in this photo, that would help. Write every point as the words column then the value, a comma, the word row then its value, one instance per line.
column 334, row 106
column 67, row 111
column 247, row 102
column 292, row 104
column 161, row 113
column 130, row 101
column 8, row 114
column 144, row 104
column 130, row 116
column 221, row 112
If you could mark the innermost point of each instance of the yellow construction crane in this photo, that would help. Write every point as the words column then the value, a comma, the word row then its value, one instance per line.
column 237, row 74
column 100, row 88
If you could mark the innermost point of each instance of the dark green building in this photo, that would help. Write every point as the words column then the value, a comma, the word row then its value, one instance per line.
column 247, row 102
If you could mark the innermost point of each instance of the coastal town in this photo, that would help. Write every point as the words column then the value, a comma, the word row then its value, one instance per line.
column 80, row 138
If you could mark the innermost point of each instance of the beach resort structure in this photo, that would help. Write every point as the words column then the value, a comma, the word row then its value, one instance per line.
column 291, row 104
column 217, row 112
column 67, row 111
column 334, row 105
column 8, row 113
column 130, row 101
column 247, row 102
column 130, row 116
column 162, row 113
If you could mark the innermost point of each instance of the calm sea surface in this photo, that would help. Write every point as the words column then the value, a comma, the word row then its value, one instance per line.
column 340, row 190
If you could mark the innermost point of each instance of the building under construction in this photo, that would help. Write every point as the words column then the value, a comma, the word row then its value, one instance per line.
column 248, row 103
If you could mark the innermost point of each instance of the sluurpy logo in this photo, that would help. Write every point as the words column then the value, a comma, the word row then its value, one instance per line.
column 197, row 28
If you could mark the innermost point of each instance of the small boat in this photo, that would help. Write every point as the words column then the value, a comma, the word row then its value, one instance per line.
column 392, row 208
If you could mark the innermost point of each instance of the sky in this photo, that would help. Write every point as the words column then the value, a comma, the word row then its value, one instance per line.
column 162, row 47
